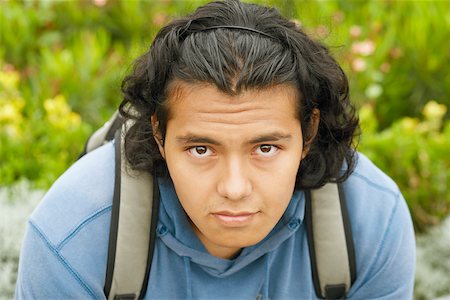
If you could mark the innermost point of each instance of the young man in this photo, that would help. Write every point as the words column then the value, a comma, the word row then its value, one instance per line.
column 237, row 112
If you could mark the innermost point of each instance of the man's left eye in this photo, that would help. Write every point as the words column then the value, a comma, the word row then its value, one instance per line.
column 200, row 151
column 267, row 150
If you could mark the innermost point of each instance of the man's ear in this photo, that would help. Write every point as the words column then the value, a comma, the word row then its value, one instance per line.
column 311, row 131
column 157, row 135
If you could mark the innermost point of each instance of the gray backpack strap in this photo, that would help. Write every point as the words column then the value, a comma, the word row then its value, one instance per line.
column 104, row 134
column 330, row 242
column 133, row 229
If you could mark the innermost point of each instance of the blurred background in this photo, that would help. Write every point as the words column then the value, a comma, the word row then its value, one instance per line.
column 62, row 63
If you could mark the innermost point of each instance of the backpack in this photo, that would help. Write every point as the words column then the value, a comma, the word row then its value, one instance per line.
column 134, row 218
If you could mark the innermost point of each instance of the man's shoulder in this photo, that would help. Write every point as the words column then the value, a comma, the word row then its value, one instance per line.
column 374, row 202
column 81, row 195
column 367, row 177
column 382, row 230
column 371, row 195
column 375, row 205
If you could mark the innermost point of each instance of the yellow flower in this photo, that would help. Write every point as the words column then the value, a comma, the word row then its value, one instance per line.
column 11, row 117
column 409, row 124
column 57, row 106
column 10, row 79
column 11, row 110
column 434, row 111
column 7, row 113
column 74, row 119
column 60, row 114
column 12, row 130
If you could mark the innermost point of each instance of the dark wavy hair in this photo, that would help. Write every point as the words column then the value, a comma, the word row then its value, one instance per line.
column 234, row 60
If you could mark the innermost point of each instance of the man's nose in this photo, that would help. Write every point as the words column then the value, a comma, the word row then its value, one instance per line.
column 234, row 183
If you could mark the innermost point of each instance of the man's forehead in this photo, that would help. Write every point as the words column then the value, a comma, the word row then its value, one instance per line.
column 203, row 114
column 205, row 105
column 179, row 90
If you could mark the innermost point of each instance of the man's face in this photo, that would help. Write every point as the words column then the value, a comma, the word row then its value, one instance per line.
column 233, row 161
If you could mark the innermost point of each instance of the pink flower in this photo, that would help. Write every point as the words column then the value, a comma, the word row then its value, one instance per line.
column 159, row 19
column 322, row 31
column 355, row 31
column 385, row 67
column 99, row 3
column 8, row 68
column 396, row 52
column 364, row 48
column 338, row 16
column 359, row 65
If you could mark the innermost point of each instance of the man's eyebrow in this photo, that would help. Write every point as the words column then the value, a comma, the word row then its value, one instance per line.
column 196, row 139
column 264, row 138
column 271, row 137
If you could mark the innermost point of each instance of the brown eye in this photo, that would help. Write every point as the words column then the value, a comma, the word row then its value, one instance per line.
column 265, row 148
column 200, row 150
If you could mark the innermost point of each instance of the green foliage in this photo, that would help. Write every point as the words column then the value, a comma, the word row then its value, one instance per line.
column 37, row 145
column 414, row 152
column 392, row 51
column 62, row 62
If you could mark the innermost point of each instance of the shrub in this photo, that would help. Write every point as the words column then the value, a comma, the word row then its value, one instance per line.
column 414, row 152
column 392, row 50
column 37, row 144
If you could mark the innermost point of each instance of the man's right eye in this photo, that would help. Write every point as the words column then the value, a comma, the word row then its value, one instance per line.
column 200, row 151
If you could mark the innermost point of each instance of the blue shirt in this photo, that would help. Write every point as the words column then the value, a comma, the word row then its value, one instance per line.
column 65, row 248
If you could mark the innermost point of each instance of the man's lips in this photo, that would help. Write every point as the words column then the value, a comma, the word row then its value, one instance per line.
column 234, row 219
